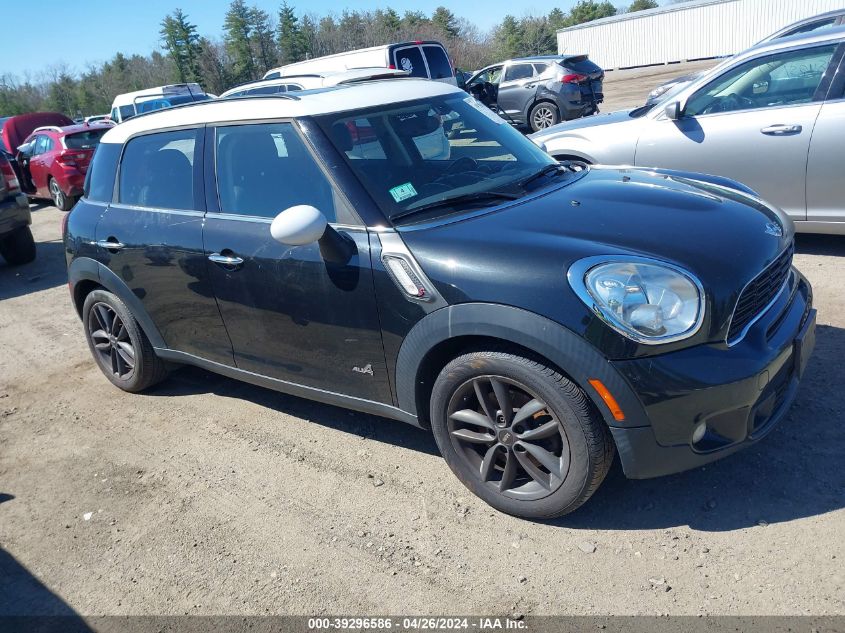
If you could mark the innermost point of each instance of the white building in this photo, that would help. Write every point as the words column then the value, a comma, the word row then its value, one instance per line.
column 700, row 29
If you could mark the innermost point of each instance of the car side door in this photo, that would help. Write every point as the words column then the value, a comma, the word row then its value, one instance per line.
column 516, row 89
column 150, row 238
column 752, row 123
column 825, row 184
column 291, row 314
column 37, row 167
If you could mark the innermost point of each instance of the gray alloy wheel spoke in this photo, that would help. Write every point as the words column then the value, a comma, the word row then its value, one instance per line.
column 100, row 334
column 549, row 429
column 468, row 416
column 528, row 410
column 535, row 473
column 117, row 328
column 503, row 398
column 484, row 401
column 126, row 359
column 472, row 436
column 127, row 349
column 115, row 363
column 103, row 317
column 550, row 461
column 509, row 473
column 488, row 462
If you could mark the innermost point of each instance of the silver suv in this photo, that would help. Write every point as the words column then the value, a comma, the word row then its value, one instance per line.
column 540, row 91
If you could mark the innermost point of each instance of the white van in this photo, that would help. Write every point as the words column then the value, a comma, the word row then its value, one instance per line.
column 129, row 104
column 428, row 60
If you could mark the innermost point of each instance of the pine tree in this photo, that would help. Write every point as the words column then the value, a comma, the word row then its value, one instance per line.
column 290, row 37
column 446, row 21
column 238, row 31
column 263, row 40
column 181, row 41
column 642, row 5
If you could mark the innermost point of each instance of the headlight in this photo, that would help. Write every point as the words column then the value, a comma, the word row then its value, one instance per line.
column 648, row 301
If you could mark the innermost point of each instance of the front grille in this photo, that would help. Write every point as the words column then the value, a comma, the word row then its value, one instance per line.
column 759, row 293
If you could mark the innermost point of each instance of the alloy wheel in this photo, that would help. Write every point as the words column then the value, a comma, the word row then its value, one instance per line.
column 111, row 341
column 509, row 437
column 57, row 194
column 543, row 117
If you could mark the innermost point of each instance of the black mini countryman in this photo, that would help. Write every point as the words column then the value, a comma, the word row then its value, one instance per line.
column 394, row 247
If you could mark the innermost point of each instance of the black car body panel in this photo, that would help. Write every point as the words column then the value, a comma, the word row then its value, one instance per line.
column 595, row 215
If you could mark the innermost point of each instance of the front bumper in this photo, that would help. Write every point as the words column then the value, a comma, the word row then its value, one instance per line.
column 739, row 392
column 14, row 213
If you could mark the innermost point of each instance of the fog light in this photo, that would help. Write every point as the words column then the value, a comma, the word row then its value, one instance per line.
column 699, row 432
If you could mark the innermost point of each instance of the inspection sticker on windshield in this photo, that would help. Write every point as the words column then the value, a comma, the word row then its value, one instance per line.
column 475, row 103
column 403, row 192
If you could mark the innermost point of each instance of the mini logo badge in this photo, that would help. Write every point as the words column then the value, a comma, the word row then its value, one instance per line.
column 366, row 369
column 774, row 229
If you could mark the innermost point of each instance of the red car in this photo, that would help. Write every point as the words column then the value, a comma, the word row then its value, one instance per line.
column 54, row 160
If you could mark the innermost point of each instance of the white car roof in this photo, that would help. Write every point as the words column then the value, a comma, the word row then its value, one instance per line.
column 286, row 105
column 324, row 79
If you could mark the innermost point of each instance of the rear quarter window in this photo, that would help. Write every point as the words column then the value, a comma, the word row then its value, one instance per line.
column 99, row 182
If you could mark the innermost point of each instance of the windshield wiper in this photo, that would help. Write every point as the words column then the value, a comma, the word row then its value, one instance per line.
column 548, row 169
column 456, row 201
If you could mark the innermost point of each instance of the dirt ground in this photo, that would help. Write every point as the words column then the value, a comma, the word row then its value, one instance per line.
column 208, row 496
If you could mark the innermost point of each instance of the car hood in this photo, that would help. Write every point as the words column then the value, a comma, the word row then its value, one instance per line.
column 519, row 253
column 583, row 123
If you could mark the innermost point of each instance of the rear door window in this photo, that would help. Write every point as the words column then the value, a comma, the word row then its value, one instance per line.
column 410, row 59
column 157, row 171
column 40, row 145
column 438, row 62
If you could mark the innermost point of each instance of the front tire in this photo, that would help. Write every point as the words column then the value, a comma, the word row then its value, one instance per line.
column 123, row 352
column 18, row 247
column 60, row 200
column 543, row 115
column 518, row 434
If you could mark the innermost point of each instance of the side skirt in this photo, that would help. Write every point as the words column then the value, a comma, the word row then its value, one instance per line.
column 292, row 388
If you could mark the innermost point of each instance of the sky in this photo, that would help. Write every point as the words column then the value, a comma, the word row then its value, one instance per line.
column 97, row 29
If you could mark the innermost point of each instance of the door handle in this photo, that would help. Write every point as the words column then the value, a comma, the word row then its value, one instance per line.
column 226, row 260
column 781, row 130
column 110, row 244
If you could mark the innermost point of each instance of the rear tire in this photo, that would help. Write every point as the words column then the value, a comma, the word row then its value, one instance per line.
column 543, row 115
column 18, row 247
column 541, row 455
column 123, row 352
column 60, row 200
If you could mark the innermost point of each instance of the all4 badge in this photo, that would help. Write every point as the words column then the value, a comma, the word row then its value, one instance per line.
column 366, row 369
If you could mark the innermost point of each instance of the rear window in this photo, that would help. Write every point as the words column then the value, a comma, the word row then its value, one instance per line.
column 84, row 140
column 411, row 61
column 438, row 62
column 580, row 64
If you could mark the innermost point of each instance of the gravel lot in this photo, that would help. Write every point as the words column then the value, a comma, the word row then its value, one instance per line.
column 208, row 496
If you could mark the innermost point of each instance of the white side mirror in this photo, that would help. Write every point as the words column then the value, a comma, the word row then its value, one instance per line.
column 298, row 225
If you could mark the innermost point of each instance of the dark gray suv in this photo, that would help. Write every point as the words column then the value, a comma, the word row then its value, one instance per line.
column 540, row 91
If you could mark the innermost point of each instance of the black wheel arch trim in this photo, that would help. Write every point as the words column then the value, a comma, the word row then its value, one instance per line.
column 87, row 269
column 569, row 352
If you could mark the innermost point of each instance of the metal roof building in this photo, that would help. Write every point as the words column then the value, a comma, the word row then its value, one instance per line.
column 700, row 29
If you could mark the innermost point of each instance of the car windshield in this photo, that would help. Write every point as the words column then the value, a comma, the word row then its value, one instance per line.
column 85, row 140
column 419, row 156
